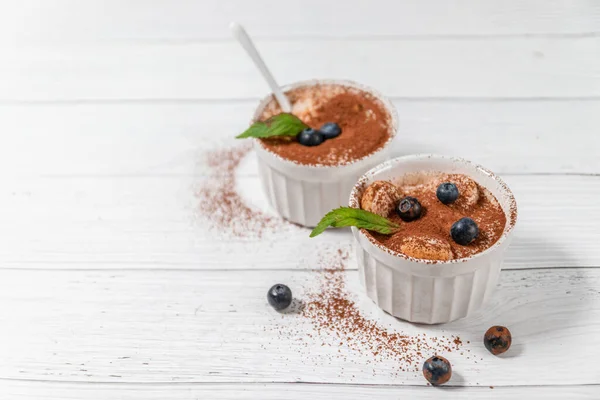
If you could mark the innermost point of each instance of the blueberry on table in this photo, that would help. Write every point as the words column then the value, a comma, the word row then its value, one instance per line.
column 310, row 137
column 497, row 339
column 447, row 193
column 279, row 296
column 409, row 209
column 330, row 130
column 437, row 370
column 464, row 231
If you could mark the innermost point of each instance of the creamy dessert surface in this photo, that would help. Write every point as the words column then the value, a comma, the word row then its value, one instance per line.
column 364, row 120
column 428, row 237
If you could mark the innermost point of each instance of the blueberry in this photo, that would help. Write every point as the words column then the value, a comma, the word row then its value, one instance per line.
column 437, row 370
column 497, row 339
column 447, row 193
column 464, row 231
column 330, row 130
column 279, row 296
column 310, row 137
column 409, row 209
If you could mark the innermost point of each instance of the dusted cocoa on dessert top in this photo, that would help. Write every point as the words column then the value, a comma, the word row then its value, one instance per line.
column 435, row 230
column 364, row 121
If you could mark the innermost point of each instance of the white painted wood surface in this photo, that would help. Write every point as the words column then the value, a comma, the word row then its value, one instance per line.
column 72, row 20
column 169, row 138
column 112, row 287
column 441, row 68
column 215, row 326
column 119, row 222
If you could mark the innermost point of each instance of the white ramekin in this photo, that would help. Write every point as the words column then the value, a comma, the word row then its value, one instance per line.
column 303, row 193
column 425, row 291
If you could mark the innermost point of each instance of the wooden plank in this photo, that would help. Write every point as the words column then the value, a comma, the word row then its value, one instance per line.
column 70, row 20
column 441, row 68
column 169, row 138
column 154, row 222
column 275, row 391
column 215, row 326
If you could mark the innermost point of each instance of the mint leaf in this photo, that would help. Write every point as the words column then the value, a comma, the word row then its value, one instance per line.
column 346, row 216
column 278, row 125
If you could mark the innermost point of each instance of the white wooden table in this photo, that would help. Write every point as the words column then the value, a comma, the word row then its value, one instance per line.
column 111, row 289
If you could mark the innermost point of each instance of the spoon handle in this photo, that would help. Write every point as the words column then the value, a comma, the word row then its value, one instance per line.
column 242, row 37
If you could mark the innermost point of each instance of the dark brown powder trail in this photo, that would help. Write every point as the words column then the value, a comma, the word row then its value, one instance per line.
column 333, row 313
column 221, row 206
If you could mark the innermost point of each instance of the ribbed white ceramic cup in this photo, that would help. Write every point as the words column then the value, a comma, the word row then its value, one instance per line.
column 303, row 193
column 423, row 291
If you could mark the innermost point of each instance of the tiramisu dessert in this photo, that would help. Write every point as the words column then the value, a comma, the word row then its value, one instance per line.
column 339, row 124
column 430, row 216
column 440, row 216
column 431, row 233
column 309, row 159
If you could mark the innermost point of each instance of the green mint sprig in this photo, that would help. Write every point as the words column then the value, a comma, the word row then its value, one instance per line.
column 346, row 216
column 278, row 125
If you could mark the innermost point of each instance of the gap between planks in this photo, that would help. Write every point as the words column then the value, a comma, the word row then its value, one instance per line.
column 300, row 391
column 301, row 383
column 208, row 270
column 247, row 99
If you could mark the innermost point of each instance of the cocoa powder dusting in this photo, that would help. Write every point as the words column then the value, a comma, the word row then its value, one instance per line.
column 334, row 315
column 222, row 207
column 364, row 121
column 432, row 229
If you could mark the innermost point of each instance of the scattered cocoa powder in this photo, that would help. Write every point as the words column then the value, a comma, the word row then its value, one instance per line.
column 433, row 228
column 364, row 120
column 220, row 204
column 330, row 310
column 333, row 314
